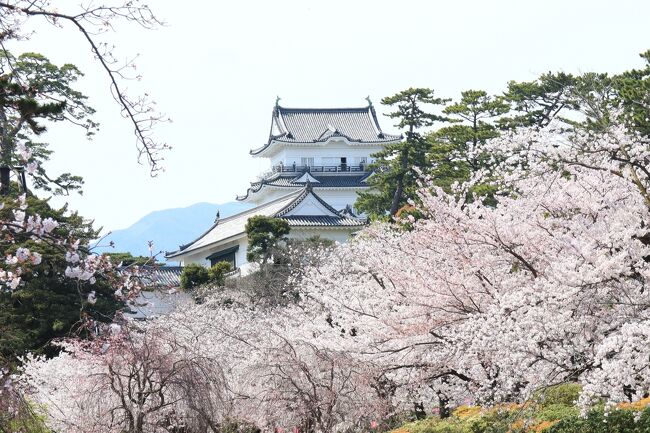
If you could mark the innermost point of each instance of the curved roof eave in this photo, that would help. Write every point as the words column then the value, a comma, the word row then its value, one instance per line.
column 293, row 200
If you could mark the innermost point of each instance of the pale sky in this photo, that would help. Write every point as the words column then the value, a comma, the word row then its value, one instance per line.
column 217, row 67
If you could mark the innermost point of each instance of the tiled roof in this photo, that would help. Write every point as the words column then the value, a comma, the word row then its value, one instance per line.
column 234, row 225
column 155, row 303
column 323, row 221
column 292, row 181
column 156, row 276
column 314, row 125
column 282, row 207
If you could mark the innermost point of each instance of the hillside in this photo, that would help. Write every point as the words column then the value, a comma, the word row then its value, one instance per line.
column 170, row 228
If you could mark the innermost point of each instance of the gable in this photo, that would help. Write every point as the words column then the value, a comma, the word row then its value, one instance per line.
column 309, row 206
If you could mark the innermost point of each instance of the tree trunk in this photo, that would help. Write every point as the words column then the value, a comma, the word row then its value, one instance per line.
column 139, row 426
column 394, row 206
column 399, row 191
column 5, row 173
column 418, row 411
column 404, row 166
column 5, row 157
column 443, row 407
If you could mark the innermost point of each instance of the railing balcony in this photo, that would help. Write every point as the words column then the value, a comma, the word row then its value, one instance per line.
column 341, row 168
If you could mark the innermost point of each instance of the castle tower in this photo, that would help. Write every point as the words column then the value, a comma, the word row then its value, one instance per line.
column 319, row 162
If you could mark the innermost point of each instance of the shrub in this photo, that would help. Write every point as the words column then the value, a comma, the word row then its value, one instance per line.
column 597, row 421
column 264, row 233
column 193, row 275
column 552, row 412
column 217, row 273
column 565, row 394
column 231, row 425
column 495, row 421
column 554, row 418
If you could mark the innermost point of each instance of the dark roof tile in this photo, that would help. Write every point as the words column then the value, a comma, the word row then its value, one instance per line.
column 155, row 276
column 332, row 181
column 323, row 221
column 314, row 125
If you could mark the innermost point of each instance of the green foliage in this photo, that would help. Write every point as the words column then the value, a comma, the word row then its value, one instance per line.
column 48, row 305
column 395, row 180
column 565, row 394
column 494, row 421
column 497, row 420
column 193, row 275
column 264, row 233
column 552, row 412
column 596, row 94
column 33, row 92
column 537, row 102
column 434, row 425
column 217, row 273
column 452, row 153
column 127, row 259
column 597, row 421
column 315, row 242
column 555, row 414
column 26, row 423
column 446, row 155
column 633, row 91
column 473, row 118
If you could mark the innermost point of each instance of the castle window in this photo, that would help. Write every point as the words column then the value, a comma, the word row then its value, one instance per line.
column 227, row 255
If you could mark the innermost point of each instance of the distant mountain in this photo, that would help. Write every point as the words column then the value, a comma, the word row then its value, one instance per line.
column 170, row 228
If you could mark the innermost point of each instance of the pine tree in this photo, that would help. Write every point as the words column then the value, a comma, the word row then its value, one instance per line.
column 454, row 154
column 34, row 91
column 633, row 88
column 537, row 102
column 396, row 166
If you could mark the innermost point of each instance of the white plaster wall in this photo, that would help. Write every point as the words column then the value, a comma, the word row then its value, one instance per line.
column 289, row 155
column 338, row 199
column 309, row 206
column 338, row 235
column 200, row 256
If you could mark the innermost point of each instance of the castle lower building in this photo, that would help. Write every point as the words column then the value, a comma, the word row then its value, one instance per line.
column 319, row 162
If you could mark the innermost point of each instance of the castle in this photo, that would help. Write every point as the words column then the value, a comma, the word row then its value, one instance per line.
column 319, row 162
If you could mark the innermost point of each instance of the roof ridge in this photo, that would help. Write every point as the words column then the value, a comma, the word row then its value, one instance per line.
column 375, row 121
column 313, row 109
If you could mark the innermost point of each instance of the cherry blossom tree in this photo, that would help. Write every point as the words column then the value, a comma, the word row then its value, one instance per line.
column 470, row 304
column 491, row 303
column 133, row 381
